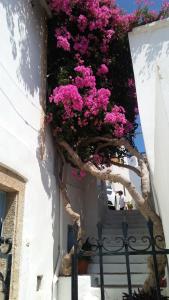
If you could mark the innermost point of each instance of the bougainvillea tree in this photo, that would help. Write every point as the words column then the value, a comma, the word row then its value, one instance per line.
column 92, row 105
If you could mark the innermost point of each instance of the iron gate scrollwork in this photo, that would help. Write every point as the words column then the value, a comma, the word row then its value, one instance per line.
column 125, row 247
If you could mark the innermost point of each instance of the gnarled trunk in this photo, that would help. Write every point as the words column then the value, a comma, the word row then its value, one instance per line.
column 141, row 200
column 67, row 258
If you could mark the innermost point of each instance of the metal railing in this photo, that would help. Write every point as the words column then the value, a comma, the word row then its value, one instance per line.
column 126, row 249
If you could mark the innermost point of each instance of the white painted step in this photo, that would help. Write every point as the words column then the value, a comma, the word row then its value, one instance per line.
column 110, row 294
column 120, row 220
column 119, row 217
column 86, row 292
column 118, row 225
column 111, row 244
column 120, row 259
column 119, row 279
column 116, row 243
column 114, row 267
column 118, row 232
column 117, row 268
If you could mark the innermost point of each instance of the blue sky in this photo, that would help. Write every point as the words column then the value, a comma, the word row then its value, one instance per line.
column 129, row 5
column 139, row 142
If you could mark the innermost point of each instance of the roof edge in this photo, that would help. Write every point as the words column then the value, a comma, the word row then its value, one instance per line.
column 150, row 27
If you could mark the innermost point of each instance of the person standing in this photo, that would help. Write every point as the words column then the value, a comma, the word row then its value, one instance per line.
column 122, row 200
column 111, row 198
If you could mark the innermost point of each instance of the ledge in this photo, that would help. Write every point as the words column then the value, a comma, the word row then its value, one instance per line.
column 150, row 27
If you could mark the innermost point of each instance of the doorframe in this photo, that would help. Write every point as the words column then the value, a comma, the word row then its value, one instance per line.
column 12, row 182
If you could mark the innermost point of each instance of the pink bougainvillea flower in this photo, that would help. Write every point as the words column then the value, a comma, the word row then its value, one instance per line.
column 62, row 42
column 69, row 96
column 118, row 131
column 78, row 174
column 102, row 70
column 87, row 79
column 117, row 115
column 85, row 71
column 63, row 36
column 61, row 5
column 128, row 127
column 82, row 23
column 81, row 44
column 97, row 159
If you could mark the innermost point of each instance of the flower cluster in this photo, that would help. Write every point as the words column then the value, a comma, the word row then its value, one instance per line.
column 69, row 96
column 61, row 5
column 63, row 37
column 117, row 115
column 78, row 174
column 91, row 80
column 103, row 69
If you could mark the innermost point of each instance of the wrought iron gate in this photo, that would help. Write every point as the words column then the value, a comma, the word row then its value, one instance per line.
column 125, row 249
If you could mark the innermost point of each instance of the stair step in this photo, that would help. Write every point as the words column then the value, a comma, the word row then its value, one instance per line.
column 114, row 267
column 117, row 242
column 116, row 231
column 110, row 293
column 124, row 214
column 130, row 226
column 120, row 259
column 86, row 292
column 118, row 279
column 117, row 268
column 135, row 240
column 118, row 222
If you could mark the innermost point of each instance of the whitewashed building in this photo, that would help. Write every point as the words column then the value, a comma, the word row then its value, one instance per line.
column 33, row 215
column 30, row 202
column 149, row 46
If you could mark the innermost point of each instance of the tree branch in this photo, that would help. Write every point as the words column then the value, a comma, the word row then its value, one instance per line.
column 66, row 260
column 141, row 202
column 114, row 142
column 104, row 174
column 145, row 180
column 136, row 170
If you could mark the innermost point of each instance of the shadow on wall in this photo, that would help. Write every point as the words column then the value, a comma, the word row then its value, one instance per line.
column 48, row 168
column 150, row 44
column 25, row 25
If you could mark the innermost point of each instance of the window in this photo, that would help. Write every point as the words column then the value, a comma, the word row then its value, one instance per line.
column 2, row 205
column 12, row 187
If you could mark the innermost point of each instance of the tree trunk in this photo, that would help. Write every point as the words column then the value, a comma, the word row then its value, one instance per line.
column 67, row 258
column 140, row 200
column 150, row 281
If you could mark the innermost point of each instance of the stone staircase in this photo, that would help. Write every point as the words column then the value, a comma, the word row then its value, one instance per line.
column 115, row 274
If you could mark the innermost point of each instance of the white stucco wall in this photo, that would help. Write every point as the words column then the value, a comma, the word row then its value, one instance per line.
column 150, row 55
column 22, row 46
column 22, row 83
column 91, row 206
